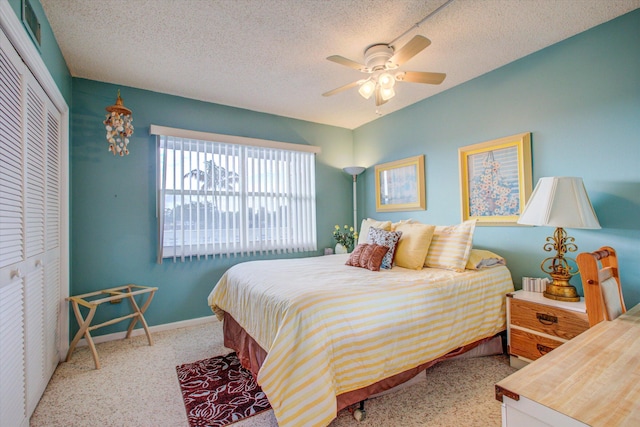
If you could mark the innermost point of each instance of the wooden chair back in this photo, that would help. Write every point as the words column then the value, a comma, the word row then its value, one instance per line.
column 601, row 284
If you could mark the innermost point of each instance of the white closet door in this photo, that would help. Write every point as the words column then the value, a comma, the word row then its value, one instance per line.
column 30, row 238
column 12, row 389
column 35, row 192
column 11, row 157
column 53, row 300
column 12, row 373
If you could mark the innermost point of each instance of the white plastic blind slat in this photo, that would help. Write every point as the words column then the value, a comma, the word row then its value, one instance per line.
column 229, row 199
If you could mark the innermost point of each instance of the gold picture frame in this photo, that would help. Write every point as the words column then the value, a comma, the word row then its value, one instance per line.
column 400, row 185
column 495, row 179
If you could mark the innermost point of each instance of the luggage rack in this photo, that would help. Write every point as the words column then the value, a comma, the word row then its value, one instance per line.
column 115, row 295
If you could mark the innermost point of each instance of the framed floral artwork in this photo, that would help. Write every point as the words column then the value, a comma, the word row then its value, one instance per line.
column 400, row 185
column 495, row 179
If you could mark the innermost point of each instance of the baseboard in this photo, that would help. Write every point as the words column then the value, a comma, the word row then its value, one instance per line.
column 157, row 328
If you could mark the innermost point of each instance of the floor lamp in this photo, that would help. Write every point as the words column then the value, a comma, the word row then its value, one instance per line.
column 354, row 171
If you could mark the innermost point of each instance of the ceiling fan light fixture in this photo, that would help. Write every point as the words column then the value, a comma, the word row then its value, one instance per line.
column 386, row 81
column 367, row 88
column 387, row 94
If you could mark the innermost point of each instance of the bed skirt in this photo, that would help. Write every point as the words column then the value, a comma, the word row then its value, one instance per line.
column 251, row 356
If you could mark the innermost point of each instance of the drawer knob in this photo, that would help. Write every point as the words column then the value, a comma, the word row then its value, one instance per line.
column 546, row 319
column 543, row 349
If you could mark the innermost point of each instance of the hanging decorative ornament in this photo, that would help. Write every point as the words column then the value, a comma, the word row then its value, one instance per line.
column 119, row 127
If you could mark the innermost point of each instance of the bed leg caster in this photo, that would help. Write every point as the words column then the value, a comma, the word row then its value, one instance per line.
column 360, row 414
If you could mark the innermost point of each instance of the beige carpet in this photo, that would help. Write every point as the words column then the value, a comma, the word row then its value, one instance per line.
column 138, row 386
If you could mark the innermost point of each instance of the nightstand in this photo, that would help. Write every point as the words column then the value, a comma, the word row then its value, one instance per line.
column 536, row 325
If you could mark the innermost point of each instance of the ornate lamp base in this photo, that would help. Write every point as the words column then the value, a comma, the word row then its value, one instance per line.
column 560, row 289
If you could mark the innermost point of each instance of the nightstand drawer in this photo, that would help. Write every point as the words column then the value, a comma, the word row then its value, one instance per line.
column 550, row 320
column 531, row 346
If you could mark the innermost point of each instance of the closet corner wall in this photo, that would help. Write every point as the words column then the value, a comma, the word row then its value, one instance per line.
column 34, row 218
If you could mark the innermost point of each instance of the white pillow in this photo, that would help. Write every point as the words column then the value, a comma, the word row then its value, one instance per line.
column 363, row 235
column 481, row 258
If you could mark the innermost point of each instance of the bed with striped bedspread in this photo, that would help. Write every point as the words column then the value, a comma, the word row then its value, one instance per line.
column 329, row 328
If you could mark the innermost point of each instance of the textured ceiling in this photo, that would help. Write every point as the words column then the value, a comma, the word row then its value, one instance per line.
column 269, row 55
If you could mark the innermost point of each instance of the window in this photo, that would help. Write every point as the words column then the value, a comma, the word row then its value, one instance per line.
column 226, row 195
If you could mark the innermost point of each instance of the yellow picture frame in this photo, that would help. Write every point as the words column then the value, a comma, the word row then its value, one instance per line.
column 495, row 179
column 400, row 185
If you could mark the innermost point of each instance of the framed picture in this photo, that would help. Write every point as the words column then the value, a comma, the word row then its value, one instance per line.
column 400, row 185
column 495, row 179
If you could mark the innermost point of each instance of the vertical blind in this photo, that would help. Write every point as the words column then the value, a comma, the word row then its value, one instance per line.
column 230, row 198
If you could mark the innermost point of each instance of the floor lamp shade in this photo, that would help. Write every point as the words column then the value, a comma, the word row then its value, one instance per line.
column 354, row 171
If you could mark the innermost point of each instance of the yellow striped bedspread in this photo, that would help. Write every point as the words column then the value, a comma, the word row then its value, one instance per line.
column 329, row 328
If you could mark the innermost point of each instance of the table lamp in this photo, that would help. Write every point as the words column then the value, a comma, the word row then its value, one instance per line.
column 560, row 202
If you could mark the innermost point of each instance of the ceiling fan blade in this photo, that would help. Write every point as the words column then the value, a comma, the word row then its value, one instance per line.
column 409, row 50
column 346, row 62
column 421, row 77
column 341, row 88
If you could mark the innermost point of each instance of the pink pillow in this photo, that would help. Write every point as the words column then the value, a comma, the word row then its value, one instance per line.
column 366, row 254
column 354, row 258
column 376, row 257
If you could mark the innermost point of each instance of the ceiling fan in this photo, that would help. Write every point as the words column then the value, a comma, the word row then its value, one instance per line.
column 380, row 61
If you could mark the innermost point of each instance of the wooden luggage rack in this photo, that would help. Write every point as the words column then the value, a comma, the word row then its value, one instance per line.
column 114, row 295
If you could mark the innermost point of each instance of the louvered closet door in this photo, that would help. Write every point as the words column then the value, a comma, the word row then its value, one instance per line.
column 35, row 191
column 12, row 374
column 30, row 238
column 42, row 238
column 53, row 301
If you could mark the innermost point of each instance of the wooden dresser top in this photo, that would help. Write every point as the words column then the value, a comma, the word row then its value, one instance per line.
column 594, row 378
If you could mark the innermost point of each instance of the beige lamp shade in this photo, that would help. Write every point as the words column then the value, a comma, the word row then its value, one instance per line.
column 560, row 202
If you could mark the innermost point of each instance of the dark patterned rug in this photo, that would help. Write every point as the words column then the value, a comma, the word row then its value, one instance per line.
column 219, row 391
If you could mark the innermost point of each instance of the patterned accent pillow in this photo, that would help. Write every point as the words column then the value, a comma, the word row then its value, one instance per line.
column 377, row 255
column 451, row 246
column 354, row 258
column 385, row 238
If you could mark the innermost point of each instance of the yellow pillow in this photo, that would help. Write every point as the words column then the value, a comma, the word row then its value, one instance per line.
column 481, row 258
column 367, row 224
column 413, row 245
column 402, row 221
column 451, row 246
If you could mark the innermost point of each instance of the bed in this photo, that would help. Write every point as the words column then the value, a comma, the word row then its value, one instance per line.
column 319, row 334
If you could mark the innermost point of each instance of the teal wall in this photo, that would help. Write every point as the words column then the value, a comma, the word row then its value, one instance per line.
column 113, row 198
column 580, row 99
column 49, row 49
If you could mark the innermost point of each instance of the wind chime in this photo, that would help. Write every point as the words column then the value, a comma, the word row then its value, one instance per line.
column 119, row 128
